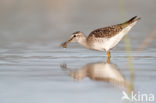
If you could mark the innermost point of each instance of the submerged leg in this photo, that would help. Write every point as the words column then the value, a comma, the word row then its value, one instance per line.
column 108, row 60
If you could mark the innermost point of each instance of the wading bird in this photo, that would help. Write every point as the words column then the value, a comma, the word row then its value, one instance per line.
column 103, row 39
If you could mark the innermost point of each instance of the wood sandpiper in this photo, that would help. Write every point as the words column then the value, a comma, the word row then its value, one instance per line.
column 103, row 39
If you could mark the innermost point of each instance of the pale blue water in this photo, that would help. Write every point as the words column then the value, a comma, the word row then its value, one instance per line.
column 34, row 75
column 31, row 57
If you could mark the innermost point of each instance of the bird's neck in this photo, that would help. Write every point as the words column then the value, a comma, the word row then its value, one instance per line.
column 84, row 42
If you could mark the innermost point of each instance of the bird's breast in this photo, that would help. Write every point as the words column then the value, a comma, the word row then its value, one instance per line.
column 98, row 44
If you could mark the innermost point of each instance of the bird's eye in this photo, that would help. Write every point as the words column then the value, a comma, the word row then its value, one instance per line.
column 74, row 36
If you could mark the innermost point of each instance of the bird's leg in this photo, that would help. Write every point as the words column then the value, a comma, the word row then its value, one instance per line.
column 109, row 54
column 108, row 60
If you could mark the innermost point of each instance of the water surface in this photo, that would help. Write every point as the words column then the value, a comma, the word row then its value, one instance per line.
column 35, row 69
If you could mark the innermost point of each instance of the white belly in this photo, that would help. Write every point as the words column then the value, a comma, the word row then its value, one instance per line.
column 105, row 44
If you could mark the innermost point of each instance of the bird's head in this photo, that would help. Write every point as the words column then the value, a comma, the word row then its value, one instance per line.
column 76, row 37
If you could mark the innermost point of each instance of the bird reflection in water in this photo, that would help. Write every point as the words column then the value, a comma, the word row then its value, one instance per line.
column 100, row 71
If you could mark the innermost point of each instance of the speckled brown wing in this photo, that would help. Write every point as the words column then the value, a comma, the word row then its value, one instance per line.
column 106, row 32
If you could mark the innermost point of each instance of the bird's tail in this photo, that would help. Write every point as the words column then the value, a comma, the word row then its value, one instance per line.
column 132, row 20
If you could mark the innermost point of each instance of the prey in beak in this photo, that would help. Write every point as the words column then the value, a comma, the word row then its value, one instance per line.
column 74, row 38
column 64, row 45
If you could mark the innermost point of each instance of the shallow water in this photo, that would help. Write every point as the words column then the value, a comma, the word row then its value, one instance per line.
column 36, row 76
column 35, row 69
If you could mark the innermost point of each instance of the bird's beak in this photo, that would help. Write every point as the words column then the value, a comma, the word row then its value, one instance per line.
column 64, row 45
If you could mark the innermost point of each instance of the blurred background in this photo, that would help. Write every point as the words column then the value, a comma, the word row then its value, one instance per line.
column 43, row 22
column 35, row 69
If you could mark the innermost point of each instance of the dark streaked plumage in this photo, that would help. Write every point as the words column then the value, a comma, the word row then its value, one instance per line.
column 110, row 31
column 125, row 24
column 106, row 32
column 76, row 32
